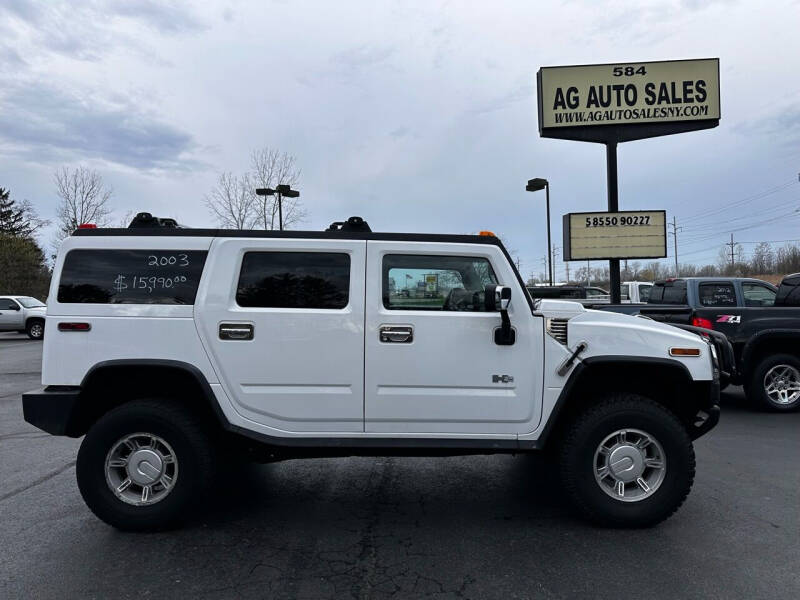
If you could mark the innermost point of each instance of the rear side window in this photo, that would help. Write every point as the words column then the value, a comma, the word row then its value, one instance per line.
column 131, row 276
column 644, row 292
column 717, row 294
column 675, row 294
column 294, row 280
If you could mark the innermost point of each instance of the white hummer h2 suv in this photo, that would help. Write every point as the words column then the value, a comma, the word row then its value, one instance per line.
column 174, row 350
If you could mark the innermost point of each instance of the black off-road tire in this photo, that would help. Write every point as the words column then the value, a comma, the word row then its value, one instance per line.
column 187, row 435
column 35, row 329
column 755, row 390
column 591, row 427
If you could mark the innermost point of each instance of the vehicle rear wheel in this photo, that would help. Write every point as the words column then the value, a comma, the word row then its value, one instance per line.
column 627, row 462
column 35, row 329
column 144, row 465
column 775, row 383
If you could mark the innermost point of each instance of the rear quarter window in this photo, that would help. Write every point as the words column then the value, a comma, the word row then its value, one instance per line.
column 130, row 276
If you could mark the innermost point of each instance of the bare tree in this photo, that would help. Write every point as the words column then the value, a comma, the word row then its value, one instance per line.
column 268, row 168
column 84, row 199
column 232, row 201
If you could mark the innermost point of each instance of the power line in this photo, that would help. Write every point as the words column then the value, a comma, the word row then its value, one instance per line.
column 729, row 205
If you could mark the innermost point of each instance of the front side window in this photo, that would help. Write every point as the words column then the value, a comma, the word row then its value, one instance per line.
column 596, row 293
column 294, row 280
column 8, row 304
column 717, row 294
column 131, row 276
column 443, row 283
column 623, row 292
column 756, row 294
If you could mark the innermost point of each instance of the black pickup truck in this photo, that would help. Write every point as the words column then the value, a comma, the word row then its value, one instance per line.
column 761, row 322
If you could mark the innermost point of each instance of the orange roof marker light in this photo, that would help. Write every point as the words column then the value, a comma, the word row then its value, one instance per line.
column 487, row 233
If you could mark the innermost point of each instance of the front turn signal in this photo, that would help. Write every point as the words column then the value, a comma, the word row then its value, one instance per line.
column 684, row 351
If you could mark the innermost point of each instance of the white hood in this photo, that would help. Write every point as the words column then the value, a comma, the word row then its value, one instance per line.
column 609, row 333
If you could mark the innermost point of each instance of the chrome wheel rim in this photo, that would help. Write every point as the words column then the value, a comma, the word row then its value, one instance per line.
column 141, row 469
column 629, row 465
column 782, row 384
column 37, row 330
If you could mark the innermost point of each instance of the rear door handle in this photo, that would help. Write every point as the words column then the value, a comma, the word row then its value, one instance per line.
column 236, row 331
column 396, row 334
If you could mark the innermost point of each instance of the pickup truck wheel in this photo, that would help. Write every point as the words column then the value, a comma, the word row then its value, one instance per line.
column 144, row 465
column 627, row 462
column 35, row 329
column 775, row 383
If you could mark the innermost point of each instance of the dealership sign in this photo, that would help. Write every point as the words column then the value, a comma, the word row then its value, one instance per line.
column 642, row 99
column 615, row 235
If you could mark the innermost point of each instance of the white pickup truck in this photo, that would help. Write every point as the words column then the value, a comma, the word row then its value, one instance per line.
column 23, row 314
column 174, row 350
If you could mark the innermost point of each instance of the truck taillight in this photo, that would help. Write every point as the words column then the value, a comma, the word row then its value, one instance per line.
column 74, row 327
column 701, row 322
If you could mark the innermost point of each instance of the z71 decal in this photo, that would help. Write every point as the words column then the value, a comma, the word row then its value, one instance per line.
column 735, row 319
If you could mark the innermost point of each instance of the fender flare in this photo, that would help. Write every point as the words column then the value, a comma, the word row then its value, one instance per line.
column 762, row 337
column 579, row 371
column 156, row 363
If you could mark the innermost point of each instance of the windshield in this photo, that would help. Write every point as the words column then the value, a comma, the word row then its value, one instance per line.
column 29, row 302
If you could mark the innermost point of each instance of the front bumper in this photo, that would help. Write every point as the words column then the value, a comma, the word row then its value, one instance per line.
column 707, row 400
column 54, row 409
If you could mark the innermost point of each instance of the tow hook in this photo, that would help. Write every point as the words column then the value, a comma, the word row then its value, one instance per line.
column 567, row 364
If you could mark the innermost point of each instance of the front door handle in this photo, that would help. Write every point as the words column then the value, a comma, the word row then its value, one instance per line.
column 396, row 334
column 235, row 331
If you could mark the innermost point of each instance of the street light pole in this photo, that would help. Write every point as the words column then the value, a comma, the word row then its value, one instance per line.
column 549, row 243
column 280, row 191
column 534, row 185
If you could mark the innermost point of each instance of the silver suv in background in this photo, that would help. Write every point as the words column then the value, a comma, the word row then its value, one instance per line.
column 24, row 314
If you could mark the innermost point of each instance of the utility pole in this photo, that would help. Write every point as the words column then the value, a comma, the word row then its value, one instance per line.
column 588, row 274
column 553, row 258
column 566, row 266
column 733, row 246
column 674, row 233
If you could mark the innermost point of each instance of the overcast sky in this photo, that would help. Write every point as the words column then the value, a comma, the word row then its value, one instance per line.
column 418, row 116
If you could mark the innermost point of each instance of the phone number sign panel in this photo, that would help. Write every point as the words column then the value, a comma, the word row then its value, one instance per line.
column 623, row 234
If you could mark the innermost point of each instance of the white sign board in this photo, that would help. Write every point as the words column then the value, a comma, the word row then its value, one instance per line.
column 607, row 235
column 629, row 93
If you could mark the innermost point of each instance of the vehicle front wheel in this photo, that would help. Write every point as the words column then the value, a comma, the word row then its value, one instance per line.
column 35, row 329
column 627, row 462
column 775, row 383
column 144, row 465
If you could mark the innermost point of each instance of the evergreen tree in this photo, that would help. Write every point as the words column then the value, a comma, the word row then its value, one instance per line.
column 17, row 219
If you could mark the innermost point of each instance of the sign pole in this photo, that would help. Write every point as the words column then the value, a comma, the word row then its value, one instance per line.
column 549, row 244
column 613, row 206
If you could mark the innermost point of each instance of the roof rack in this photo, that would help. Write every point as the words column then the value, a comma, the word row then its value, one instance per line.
column 145, row 219
column 352, row 224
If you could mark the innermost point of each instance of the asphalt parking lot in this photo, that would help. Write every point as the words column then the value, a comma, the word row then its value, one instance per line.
column 467, row 527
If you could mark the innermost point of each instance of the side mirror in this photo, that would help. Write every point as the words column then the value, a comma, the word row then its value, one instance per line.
column 497, row 298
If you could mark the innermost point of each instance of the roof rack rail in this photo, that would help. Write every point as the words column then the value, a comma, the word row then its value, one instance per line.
column 352, row 224
column 145, row 219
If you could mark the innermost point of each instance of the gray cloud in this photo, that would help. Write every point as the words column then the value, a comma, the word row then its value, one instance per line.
column 86, row 31
column 782, row 127
column 45, row 123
